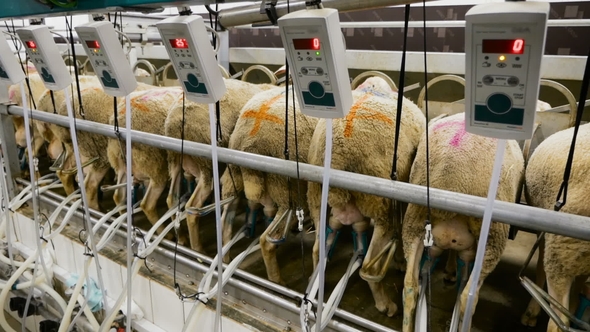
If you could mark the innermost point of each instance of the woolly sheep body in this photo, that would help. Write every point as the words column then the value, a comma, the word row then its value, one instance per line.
column 149, row 112
column 197, row 129
column 565, row 258
column 364, row 144
column 98, row 107
column 453, row 153
column 267, row 137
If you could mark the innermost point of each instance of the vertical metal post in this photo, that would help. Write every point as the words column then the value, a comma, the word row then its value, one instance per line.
column 223, row 52
column 9, row 150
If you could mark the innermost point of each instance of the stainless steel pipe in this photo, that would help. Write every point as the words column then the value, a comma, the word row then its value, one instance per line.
column 514, row 214
column 251, row 14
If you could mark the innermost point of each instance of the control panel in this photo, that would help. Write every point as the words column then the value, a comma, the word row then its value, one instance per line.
column 504, row 47
column 10, row 70
column 107, row 58
column 191, row 53
column 45, row 56
column 315, row 50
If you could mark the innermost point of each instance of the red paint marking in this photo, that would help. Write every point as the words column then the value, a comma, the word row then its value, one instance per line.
column 458, row 125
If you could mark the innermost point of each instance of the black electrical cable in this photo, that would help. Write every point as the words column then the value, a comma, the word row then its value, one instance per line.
column 70, row 28
column 570, row 157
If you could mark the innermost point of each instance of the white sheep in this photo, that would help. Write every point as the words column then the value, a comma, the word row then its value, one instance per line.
column 565, row 258
column 149, row 112
column 197, row 130
column 260, row 129
column 98, row 107
column 459, row 162
column 363, row 142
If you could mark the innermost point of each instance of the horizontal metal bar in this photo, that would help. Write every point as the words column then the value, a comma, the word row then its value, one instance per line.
column 251, row 14
column 429, row 24
column 553, row 67
column 192, row 258
column 522, row 216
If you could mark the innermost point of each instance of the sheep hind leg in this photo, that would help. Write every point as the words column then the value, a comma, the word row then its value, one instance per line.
column 91, row 183
column 411, row 288
column 197, row 200
column 559, row 286
column 382, row 234
column 269, row 254
column 529, row 318
column 148, row 205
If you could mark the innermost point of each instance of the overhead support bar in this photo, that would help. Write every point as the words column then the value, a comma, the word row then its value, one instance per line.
column 251, row 14
column 510, row 213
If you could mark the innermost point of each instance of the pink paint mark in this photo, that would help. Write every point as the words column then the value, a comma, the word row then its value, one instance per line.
column 458, row 125
column 158, row 93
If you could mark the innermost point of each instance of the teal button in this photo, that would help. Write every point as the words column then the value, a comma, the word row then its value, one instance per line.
column 499, row 103
column 316, row 89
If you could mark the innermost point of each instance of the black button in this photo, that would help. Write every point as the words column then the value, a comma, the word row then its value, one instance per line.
column 499, row 103
column 488, row 80
column 513, row 81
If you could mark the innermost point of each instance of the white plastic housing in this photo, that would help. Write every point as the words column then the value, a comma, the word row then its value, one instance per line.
column 10, row 70
column 317, row 57
column 3, row 93
column 193, row 58
column 45, row 55
column 504, row 46
column 107, row 58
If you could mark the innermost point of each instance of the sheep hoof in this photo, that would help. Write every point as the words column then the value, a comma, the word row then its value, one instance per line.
column 529, row 319
column 390, row 309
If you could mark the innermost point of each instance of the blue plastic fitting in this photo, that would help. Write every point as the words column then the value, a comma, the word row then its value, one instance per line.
column 330, row 248
column 460, row 267
column 364, row 242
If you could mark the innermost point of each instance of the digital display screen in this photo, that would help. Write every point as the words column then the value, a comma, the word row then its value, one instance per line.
column 509, row 46
column 92, row 44
column 179, row 43
column 306, row 44
column 31, row 44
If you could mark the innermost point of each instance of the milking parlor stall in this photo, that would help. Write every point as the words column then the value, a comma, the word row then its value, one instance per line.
column 287, row 165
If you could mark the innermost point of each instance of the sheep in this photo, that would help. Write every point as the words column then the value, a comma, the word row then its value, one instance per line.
column 150, row 109
column 564, row 258
column 197, row 130
column 15, row 97
column 260, row 129
column 98, row 107
column 46, row 104
column 453, row 153
column 363, row 142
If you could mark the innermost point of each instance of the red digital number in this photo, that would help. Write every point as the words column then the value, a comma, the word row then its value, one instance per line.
column 179, row 43
column 31, row 44
column 316, row 43
column 518, row 46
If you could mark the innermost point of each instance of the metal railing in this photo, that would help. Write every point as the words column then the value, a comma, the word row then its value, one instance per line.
column 510, row 213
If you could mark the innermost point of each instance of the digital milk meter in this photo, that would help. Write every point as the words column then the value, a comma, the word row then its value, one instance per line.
column 106, row 56
column 192, row 55
column 45, row 56
column 10, row 70
column 504, row 46
column 315, row 50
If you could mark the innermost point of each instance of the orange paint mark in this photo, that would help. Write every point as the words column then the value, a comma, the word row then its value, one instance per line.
column 354, row 114
column 261, row 115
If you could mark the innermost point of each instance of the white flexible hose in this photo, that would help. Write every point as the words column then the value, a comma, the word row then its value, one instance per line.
column 110, row 317
column 129, row 175
column 35, row 195
column 88, row 225
column 483, row 236
column 7, row 215
column 4, row 293
column 338, row 291
column 323, row 212
column 218, row 220
column 74, row 298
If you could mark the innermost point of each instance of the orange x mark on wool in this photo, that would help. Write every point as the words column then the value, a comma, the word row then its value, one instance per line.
column 353, row 114
column 261, row 115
